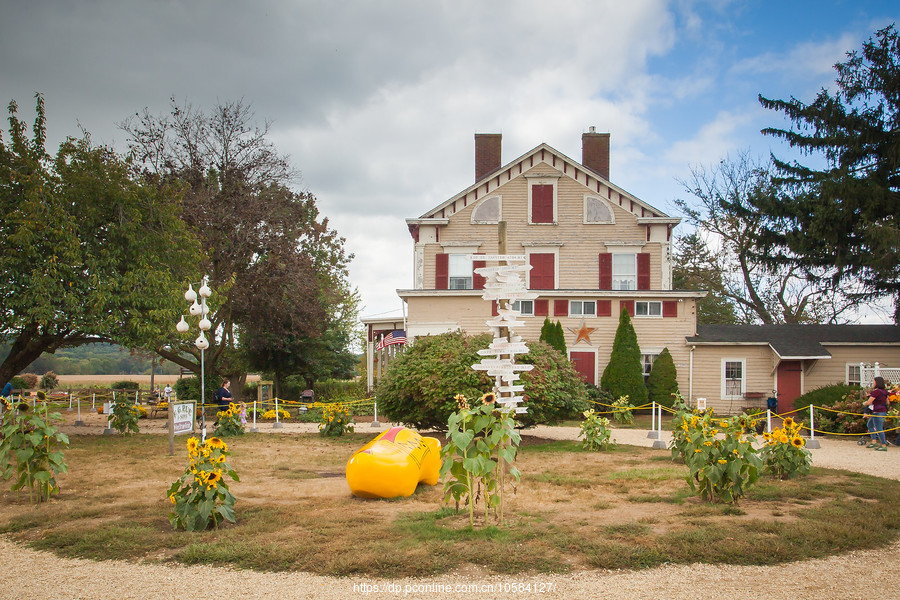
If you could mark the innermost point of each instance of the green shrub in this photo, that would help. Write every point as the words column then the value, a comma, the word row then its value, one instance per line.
column 19, row 383
column 624, row 374
column 31, row 381
column 49, row 381
column 336, row 390
column 828, row 395
column 420, row 386
column 188, row 388
column 663, row 381
column 846, row 416
column 125, row 385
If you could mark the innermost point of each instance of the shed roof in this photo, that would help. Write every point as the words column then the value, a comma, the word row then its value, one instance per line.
column 796, row 341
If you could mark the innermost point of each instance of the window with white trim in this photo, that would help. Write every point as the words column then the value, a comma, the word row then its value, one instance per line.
column 734, row 381
column 624, row 271
column 582, row 308
column 854, row 377
column 488, row 211
column 460, row 272
column 648, row 308
column 525, row 307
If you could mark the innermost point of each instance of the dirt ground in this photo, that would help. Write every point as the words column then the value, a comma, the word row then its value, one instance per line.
column 844, row 576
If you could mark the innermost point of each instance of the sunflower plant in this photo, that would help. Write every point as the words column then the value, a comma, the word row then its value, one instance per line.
column 283, row 415
column 31, row 449
column 480, row 451
column 719, row 453
column 336, row 420
column 124, row 418
column 228, row 421
column 621, row 410
column 784, row 452
column 595, row 431
column 201, row 497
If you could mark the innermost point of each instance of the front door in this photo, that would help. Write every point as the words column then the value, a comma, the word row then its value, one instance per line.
column 584, row 363
column 790, row 374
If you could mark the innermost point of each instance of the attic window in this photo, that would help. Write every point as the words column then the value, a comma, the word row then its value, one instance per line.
column 487, row 211
column 596, row 210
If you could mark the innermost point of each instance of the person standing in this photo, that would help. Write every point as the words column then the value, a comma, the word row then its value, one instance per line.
column 878, row 401
column 167, row 392
column 223, row 395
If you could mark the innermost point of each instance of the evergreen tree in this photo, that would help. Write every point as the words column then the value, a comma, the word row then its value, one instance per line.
column 624, row 374
column 844, row 215
column 560, row 339
column 547, row 331
column 663, row 381
column 695, row 268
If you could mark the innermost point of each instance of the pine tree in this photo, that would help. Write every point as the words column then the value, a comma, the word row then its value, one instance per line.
column 663, row 381
column 547, row 331
column 560, row 338
column 624, row 374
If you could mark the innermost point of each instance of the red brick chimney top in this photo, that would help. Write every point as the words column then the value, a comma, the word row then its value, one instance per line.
column 595, row 152
column 487, row 154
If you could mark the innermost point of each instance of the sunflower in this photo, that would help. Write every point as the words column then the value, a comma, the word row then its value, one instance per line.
column 23, row 407
column 788, row 422
column 172, row 498
column 192, row 445
column 489, row 398
column 707, row 443
column 215, row 442
column 213, row 478
column 461, row 401
column 722, row 461
column 797, row 441
column 783, row 438
column 723, row 424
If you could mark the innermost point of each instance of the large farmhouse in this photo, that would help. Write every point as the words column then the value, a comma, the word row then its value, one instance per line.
column 594, row 250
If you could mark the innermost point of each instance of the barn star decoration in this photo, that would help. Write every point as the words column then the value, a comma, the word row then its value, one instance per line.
column 582, row 332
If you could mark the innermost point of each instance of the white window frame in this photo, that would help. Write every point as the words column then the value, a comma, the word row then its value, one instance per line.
column 603, row 201
column 743, row 380
column 847, row 379
column 459, row 259
column 582, row 304
column 525, row 307
column 657, row 303
column 632, row 279
column 648, row 357
column 533, row 181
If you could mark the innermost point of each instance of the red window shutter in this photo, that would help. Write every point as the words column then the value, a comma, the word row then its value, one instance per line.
column 542, row 204
column 477, row 280
column 670, row 308
column 494, row 311
column 542, row 271
column 604, row 308
column 643, row 271
column 560, row 308
column 605, row 271
column 541, row 308
column 627, row 304
column 442, row 271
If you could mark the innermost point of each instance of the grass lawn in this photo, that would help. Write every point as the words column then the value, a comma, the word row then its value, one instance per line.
column 626, row 508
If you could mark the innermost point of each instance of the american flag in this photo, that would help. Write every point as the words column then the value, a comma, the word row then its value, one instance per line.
column 398, row 336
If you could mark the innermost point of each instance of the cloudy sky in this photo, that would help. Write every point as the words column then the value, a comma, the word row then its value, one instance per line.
column 377, row 102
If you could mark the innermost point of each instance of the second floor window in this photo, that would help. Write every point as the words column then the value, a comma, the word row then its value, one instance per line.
column 460, row 272
column 624, row 271
column 525, row 307
column 644, row 308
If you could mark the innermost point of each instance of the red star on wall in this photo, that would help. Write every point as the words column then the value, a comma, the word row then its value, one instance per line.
column 582, row 332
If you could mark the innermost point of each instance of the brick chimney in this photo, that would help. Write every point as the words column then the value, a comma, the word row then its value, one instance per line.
column 487, row 154
column 595, row 152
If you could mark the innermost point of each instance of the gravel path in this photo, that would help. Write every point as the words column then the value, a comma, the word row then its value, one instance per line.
column 30, row 574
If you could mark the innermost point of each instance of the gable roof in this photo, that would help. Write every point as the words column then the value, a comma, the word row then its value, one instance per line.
column 560, row 162
column 796, row 341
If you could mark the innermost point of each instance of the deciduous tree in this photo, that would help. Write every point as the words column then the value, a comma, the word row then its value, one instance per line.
column 88, row 251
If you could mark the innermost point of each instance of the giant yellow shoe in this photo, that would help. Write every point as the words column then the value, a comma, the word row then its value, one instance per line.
column 393, row 464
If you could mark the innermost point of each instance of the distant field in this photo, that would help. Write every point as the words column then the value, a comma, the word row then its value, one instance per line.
column 105, row 380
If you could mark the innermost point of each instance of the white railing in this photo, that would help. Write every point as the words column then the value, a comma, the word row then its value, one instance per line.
column 867, row 374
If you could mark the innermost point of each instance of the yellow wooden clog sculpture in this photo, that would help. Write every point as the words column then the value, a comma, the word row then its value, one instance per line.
column 393, row 464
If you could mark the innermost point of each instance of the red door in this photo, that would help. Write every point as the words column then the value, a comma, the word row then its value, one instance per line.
column 789, row 380
column 584, row 365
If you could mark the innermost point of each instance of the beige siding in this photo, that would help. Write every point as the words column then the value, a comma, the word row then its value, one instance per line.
column 759, row 374
column 578, row 244
column 469, row 314
column 834, row 369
